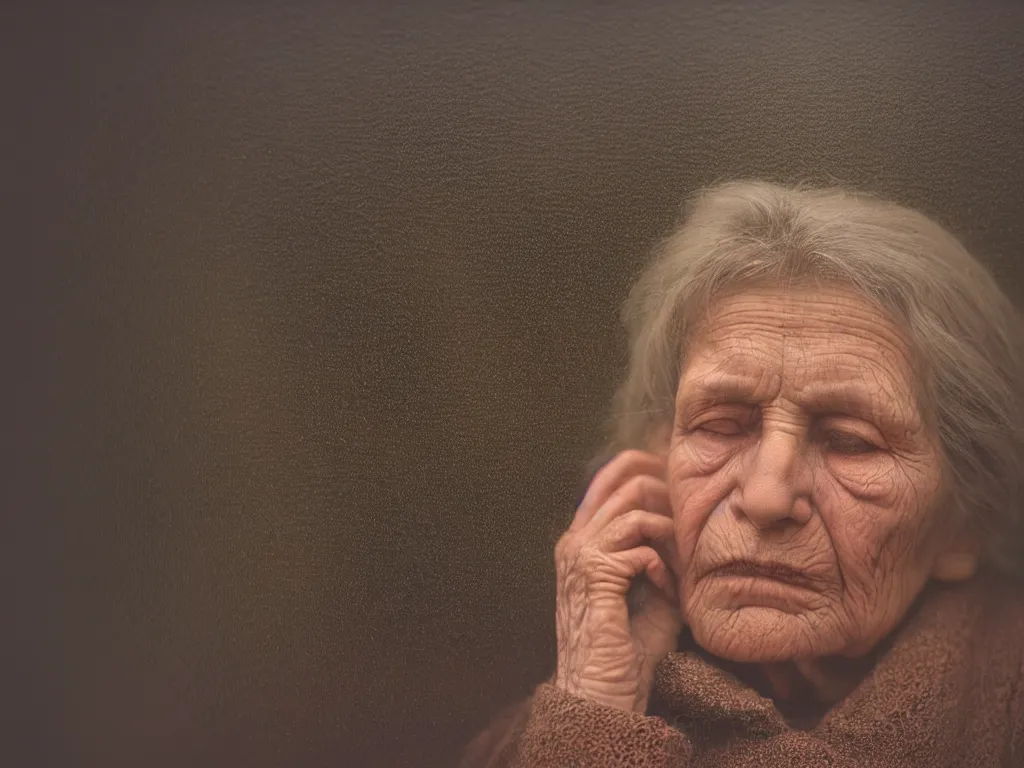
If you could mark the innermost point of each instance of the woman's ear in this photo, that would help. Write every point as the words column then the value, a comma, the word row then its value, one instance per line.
column 959, row 561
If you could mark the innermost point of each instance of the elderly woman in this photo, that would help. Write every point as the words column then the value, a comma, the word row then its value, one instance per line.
column 807, row 548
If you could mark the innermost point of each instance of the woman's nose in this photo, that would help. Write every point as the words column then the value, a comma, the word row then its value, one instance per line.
column 775, row 486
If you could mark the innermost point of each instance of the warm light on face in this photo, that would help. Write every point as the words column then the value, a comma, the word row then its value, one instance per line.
column 802, row 477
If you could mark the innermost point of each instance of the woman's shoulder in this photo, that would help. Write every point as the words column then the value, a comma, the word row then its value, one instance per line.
column 991, row 611
column 981, row 619
column 987, row 603
column 1000, row 599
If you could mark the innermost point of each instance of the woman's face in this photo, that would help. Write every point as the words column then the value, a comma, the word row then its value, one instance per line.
column 803, row 477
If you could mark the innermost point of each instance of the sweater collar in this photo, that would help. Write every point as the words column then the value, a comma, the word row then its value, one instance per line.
column 692, row 687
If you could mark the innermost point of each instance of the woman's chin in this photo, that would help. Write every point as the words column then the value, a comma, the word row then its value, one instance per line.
column 755, row 634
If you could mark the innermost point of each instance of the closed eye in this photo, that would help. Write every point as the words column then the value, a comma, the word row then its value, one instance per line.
column 848, row 444
column 724, row 427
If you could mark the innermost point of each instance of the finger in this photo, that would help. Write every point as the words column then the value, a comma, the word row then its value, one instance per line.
column 639, row 492
column 661, row 575
column 645, row 560
column 632, row 529
column 643, row 527
column 611, row 476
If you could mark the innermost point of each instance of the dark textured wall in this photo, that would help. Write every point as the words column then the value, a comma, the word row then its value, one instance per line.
column 311, row 323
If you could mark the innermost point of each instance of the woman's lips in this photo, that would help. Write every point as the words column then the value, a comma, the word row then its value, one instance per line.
column 764, row 570
column 746, row 583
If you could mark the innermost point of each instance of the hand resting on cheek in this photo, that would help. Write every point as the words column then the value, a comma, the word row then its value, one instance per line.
column 612, row 632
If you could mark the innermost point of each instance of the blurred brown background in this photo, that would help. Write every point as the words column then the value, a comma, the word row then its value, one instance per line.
column 310, row 320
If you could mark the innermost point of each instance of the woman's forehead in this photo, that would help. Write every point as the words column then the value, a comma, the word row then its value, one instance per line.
column 862, row 394
column 829, row 353
column 799, row 321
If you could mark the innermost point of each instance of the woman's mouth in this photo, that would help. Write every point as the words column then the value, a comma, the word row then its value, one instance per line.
column 764, row 570
column 755, row 570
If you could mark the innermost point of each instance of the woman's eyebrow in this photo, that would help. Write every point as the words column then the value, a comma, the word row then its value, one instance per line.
column 850, row 399
column 847, row 398
column 715, row 388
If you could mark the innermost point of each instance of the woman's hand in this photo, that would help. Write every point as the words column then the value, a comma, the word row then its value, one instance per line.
column 622, row 529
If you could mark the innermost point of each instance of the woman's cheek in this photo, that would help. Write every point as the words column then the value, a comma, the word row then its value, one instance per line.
column 701, row 476
column 872, row 477
column 708, row 453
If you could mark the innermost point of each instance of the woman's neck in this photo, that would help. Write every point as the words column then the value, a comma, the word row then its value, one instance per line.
column 803, row 691
column 814, row 685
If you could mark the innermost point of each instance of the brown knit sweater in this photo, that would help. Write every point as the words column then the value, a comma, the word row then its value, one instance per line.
column 946, row 691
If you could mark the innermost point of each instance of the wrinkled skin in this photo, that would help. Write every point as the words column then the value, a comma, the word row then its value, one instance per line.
column 798, row 442
column 623, row 528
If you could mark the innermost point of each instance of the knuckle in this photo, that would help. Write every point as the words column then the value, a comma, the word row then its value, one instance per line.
column 639, row 482
column 652, row 557
column 646, row 490
column 592, row 564
column 587, row 554
column 635, row 517
column 565, row 548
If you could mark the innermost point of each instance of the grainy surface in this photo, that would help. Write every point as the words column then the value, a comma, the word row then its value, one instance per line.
column 312, row 319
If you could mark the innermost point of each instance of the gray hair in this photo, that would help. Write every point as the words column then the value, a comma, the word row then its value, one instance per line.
column 965, row 334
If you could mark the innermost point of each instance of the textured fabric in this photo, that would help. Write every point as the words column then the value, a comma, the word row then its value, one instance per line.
column 946, row 692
